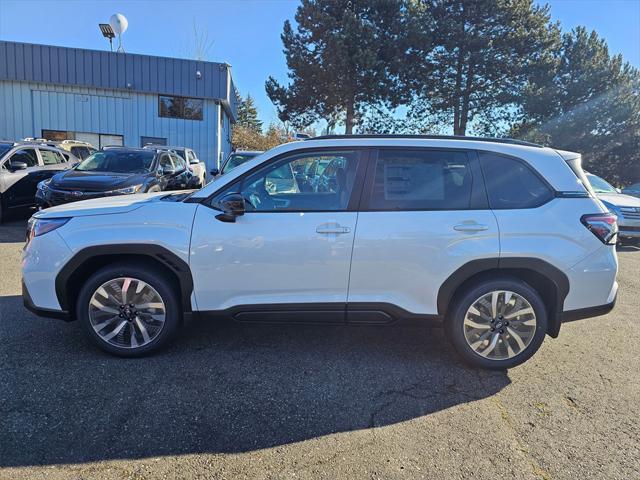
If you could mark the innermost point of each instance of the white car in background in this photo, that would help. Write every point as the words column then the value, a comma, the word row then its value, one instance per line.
column 498, row 241
column 188, row 155
column 626, row 207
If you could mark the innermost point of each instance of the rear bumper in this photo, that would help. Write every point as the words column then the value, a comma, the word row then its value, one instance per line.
column 581, row 313
column 42, row 312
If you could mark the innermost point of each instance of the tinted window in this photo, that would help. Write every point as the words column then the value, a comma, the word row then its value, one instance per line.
column 181, row 107
column 118, row 161
column 81, row 152
column 166, row 162
column 179, row 162
column 235, row 160
column 26, row 155
column 286, row 186
column 49, row 157
column 512, row 184
column 421, row 180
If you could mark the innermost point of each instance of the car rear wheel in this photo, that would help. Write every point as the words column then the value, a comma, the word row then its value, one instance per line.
column 129, row 310
column 497, row 324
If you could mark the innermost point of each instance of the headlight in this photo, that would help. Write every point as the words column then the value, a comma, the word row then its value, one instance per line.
column 44, row 184
column 128, row 190
column 37, row 227
column 612, row 208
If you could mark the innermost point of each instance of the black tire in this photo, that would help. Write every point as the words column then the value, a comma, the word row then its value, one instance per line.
column 153, row 276
column 154, row 188
column 454, row 323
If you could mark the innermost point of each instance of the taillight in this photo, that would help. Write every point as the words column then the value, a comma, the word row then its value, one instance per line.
column 602, row 225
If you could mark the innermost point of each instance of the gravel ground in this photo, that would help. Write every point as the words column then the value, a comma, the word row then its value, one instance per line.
column 234, row 401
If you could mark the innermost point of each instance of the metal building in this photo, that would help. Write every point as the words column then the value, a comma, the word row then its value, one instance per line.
column 109, row 98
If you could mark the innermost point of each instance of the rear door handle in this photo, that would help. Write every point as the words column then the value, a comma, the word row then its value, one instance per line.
column 332, row 228
column 470, row 227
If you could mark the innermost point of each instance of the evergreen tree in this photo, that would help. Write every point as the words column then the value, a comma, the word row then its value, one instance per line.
column 467, row 61
column 248, row 113
column 341, row 57
column 589, row 102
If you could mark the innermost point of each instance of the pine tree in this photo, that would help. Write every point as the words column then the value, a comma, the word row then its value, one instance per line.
column 248, row 113
column 341, row 57
column 589, row 102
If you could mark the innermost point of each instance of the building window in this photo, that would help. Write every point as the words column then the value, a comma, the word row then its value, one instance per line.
column 181, row 107
column 56, row 135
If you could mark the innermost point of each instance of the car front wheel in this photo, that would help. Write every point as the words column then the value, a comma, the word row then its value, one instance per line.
column 497, row 324
column 129, row 310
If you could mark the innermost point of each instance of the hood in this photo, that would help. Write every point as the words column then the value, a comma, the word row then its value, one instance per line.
column 620, row 199
column 95, row 181
column 101, row 206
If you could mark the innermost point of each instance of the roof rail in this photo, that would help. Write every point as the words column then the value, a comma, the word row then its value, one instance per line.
column 76, row 141
column 510, row 141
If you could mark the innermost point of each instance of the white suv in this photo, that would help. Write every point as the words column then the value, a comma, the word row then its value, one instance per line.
column 500, row 241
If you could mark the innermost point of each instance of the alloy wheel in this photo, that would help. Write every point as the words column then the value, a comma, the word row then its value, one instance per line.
column 499, row 325
column 127, row 312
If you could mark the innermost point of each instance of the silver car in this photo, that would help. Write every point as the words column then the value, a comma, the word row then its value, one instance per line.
column 626, row 207
column 22, row 166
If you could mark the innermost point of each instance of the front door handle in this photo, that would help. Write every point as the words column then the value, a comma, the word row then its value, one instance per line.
column 470, row 227
column 332, row 228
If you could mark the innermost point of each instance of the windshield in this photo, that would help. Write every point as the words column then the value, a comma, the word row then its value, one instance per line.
column 237, row 159
column 117, row 161
column 600, row 185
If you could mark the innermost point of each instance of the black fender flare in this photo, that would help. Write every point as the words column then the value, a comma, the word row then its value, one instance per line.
column 559, row 280
column 170, row 260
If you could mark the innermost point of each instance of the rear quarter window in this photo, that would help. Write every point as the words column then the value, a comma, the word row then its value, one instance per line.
column 512, row 184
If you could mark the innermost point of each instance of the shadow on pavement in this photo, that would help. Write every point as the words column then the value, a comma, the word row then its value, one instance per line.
column 222, row 387
column 13, row 228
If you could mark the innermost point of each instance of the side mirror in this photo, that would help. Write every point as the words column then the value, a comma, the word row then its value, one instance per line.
column 232, row 205
column 18, row 166
column 214, row 172
column 618, row 190
column 168, row 171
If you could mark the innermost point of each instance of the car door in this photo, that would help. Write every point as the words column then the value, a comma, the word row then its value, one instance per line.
column 423, row 215
column 288, row 256
column 20, row 185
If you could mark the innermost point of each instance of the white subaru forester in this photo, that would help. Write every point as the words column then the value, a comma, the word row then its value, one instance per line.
column 500, row 241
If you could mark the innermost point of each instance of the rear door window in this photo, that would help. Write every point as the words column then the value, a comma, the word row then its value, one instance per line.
column 420, row 179
column 49, row 157
column 511, row 184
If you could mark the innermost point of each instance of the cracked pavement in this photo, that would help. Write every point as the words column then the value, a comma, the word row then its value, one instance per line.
column 271, row 402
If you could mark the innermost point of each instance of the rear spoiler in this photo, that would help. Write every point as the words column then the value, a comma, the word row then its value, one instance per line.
column 574, row 160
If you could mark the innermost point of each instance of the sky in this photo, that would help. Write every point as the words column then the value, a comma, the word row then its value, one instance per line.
column 246, row 33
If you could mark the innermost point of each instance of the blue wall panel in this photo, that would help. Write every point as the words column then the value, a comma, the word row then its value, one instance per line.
column 29, row 108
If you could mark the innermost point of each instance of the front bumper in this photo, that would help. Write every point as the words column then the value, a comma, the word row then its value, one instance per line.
column 42, row 312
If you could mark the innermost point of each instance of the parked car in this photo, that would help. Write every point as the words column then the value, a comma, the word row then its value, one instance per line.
column 115, row 171
column 79, row 149
column 22, row 166
column 496, row 240
column 633, row 190
column 626, row 207
column 189, row 155
column 235, row 159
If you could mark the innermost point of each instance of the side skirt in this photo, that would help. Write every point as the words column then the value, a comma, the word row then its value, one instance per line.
column 321, row 314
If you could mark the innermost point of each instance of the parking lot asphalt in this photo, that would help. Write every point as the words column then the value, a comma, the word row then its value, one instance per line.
column 269, row 402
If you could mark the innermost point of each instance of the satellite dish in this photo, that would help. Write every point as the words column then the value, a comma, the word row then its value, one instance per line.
column 119, row 23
